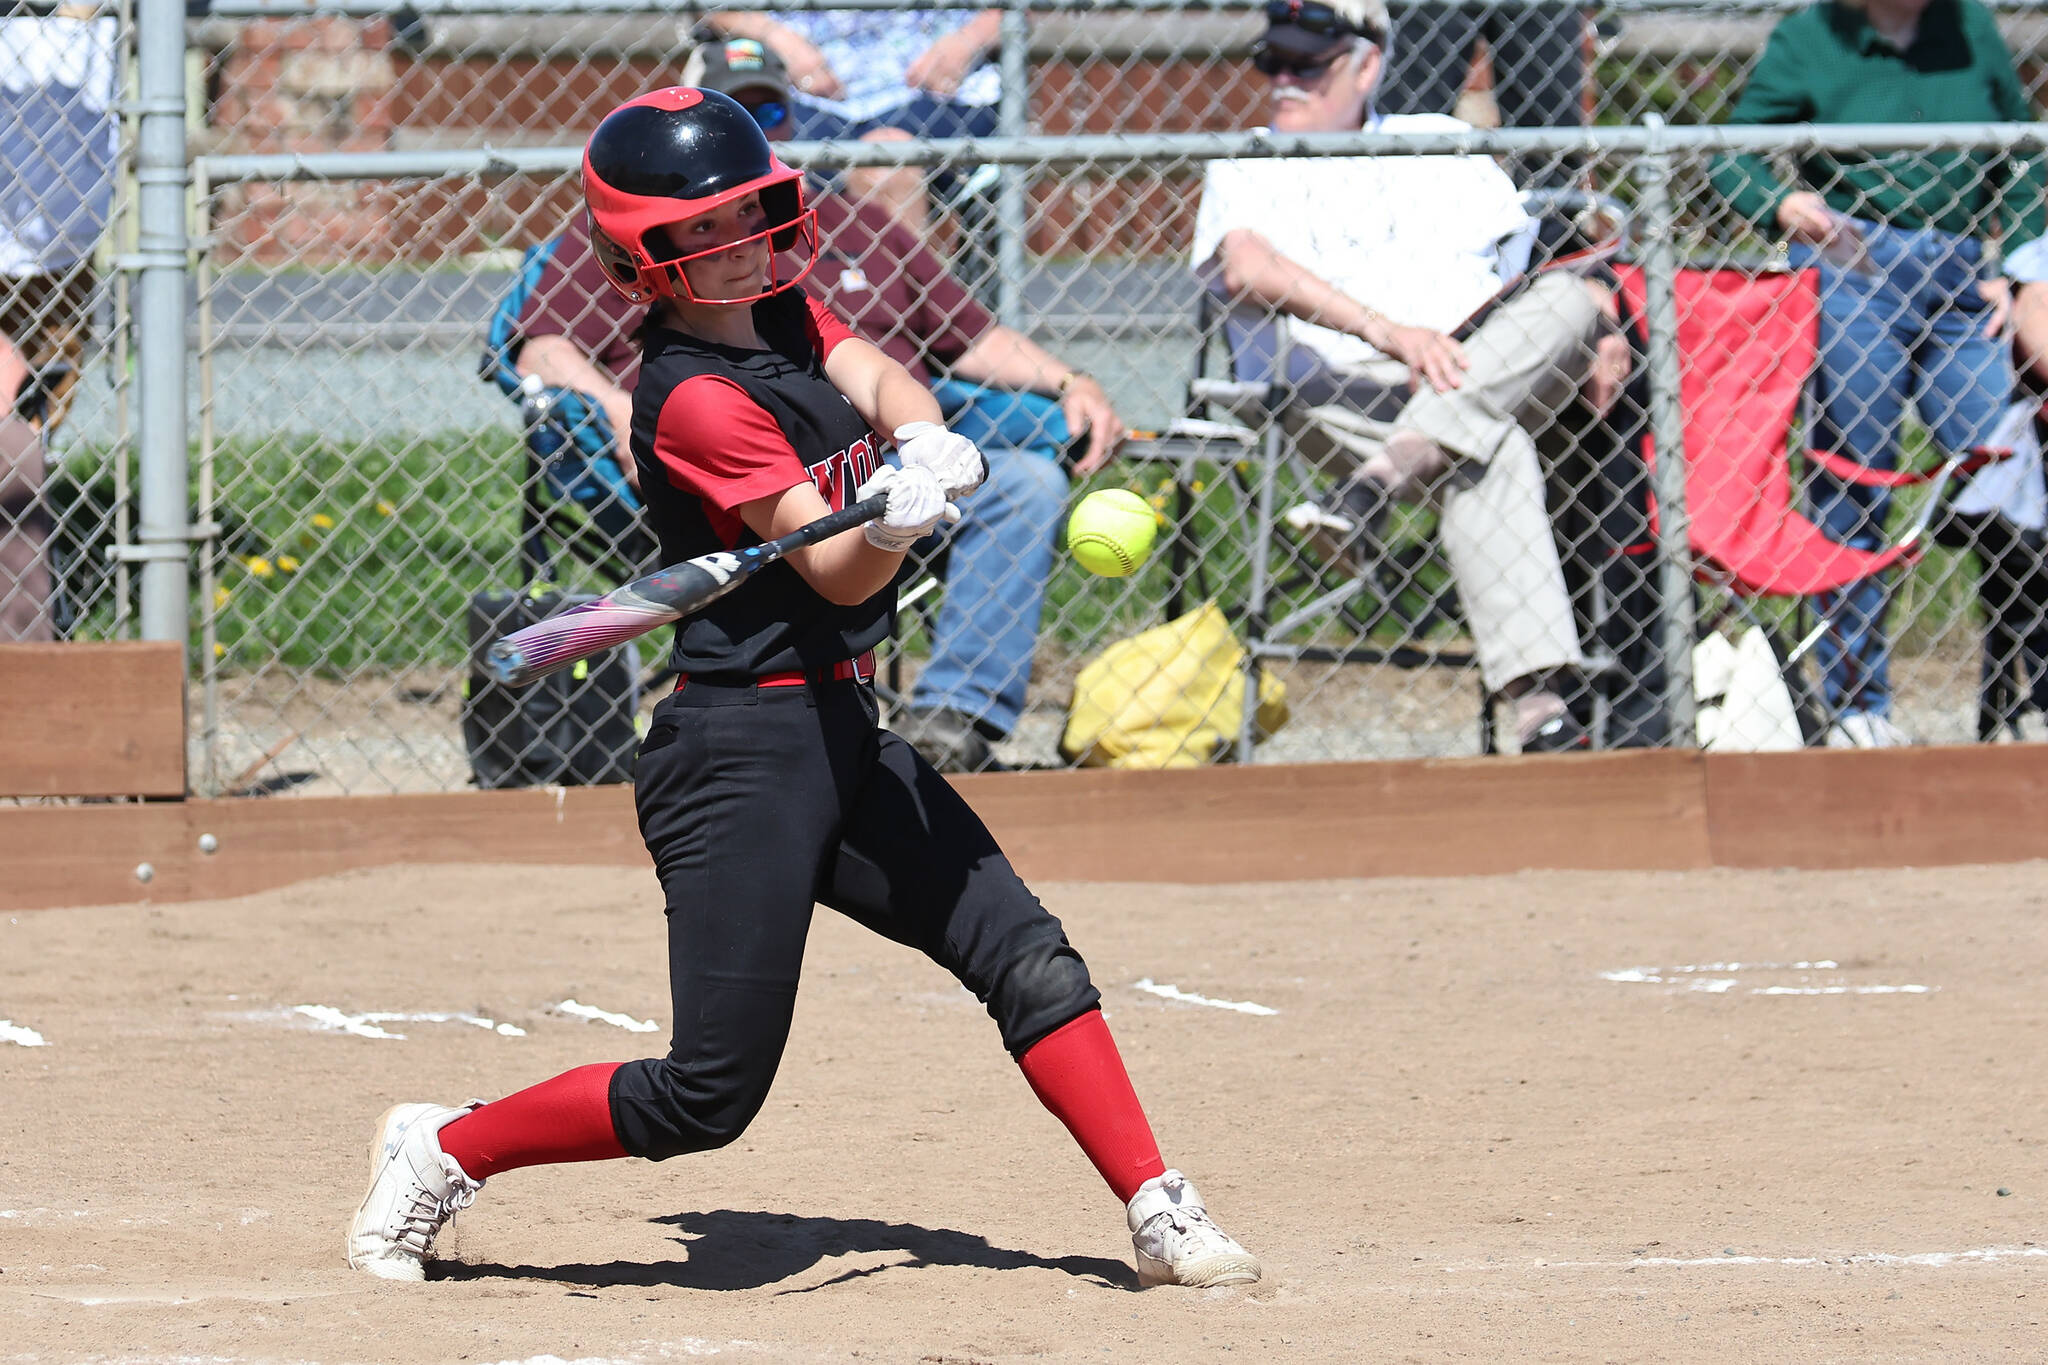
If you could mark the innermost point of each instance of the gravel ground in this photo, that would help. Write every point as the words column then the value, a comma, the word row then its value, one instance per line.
column 1477, row 1119
column 403, row 734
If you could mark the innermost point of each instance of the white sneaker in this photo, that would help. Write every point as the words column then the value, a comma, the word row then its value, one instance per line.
column 1177, row 1241
column 1866, row 730
column 415, row 1187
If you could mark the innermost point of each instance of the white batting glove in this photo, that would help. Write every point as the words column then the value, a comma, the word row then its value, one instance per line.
column 917, row 504
column 957, row 461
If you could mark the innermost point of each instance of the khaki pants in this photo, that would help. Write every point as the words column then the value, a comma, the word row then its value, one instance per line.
column 1527, row 362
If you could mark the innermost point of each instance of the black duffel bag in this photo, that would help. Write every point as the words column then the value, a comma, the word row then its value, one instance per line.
column 574, row 728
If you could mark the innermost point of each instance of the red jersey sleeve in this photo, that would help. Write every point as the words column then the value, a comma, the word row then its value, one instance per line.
column 827, row 329
column 717, row 444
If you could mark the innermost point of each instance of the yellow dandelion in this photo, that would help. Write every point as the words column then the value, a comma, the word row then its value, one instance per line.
column 259, row 566
column 322, row 521
column 385, row 509
column 220, row 651
column 220, row 598
column 287, row 564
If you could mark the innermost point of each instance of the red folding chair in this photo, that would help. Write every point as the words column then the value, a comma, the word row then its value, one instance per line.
column 1747, row 345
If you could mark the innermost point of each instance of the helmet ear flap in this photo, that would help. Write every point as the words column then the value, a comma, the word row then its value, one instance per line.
column 618, row 265
column 783, row 204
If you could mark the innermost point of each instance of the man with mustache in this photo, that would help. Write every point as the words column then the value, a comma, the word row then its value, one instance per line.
column 1376, row 266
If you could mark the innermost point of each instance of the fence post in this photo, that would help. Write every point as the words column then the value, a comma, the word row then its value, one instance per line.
column 163, row 535
column 1667, row 429
column 1013, row 114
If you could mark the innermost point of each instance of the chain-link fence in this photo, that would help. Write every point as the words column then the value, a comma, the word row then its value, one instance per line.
column 65, row 193
column 383, row 466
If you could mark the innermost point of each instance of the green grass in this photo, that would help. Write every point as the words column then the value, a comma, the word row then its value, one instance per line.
column 336, row 557
column 372, row 551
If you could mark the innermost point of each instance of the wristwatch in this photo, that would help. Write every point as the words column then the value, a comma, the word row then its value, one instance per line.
column 1069, row 379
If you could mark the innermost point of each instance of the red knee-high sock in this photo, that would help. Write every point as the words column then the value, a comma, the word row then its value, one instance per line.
column 566, row 1119
column 1078, row 1074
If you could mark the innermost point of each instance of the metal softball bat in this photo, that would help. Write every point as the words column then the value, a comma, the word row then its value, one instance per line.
column 651, row 602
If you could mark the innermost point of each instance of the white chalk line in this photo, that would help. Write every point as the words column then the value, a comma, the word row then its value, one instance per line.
column 1842, row 990
column 1189, row 997
column 1708, row 978
column 21, row 1035
column 1936, row 1259
column 366, row 1025
column 1823, row 965
column 624, row 1021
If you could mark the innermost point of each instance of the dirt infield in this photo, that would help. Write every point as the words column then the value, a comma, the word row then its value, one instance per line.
column 1709, row 1116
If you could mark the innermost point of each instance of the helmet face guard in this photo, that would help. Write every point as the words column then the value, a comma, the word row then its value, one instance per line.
column 654, row 273
column 674, row 155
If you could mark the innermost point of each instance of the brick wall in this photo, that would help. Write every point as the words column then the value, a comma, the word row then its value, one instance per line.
column 308, row 85
column 338, row 85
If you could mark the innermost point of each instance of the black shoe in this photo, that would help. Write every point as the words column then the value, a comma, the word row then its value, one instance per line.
column 950, row 740
column 1347, row 527
column 1365, row 504
column 1561, row 734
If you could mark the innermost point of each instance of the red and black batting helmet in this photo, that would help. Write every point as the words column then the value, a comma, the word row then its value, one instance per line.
column 669, row 156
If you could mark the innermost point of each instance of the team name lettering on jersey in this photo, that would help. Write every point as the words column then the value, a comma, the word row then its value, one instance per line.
column 838, row 475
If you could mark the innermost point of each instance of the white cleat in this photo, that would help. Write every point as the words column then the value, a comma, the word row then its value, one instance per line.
column 1177, row 1241
column 415, row 1187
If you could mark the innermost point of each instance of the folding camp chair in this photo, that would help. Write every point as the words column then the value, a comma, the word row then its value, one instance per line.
column 1747, row 345
column 574, row 498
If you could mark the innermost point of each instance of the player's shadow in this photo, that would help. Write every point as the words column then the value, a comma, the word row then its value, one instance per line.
column 741, row 1249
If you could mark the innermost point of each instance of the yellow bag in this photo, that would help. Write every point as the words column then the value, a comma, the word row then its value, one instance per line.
column 1168, row 697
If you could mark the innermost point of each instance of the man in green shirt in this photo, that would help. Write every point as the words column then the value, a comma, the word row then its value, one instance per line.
column 1912, row 306
column 1831, row 64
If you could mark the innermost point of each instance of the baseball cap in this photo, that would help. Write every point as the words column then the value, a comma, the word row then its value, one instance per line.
column 731, row 65
column 1311, row 28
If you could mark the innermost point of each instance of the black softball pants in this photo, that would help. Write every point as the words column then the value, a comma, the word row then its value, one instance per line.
column 759, row 802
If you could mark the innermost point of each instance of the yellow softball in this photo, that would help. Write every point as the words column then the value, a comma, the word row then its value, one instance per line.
column 1111, row 532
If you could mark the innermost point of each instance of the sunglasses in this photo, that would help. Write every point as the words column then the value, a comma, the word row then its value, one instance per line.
column 770, row 114
column 1311, row 16
column 1267, row 62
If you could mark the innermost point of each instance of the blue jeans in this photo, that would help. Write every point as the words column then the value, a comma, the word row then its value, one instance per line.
column 921, row 116
column 1909, row 325
column 1001, row 555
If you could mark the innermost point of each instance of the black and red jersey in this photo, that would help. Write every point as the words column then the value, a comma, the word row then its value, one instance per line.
column 715, row 427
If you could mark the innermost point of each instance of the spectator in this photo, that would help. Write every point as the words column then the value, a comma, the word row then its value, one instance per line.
column 1537, row 51
column 577, row 332
column 24, row 524
column 1911, row 306
column 58, row 141
column 2002, row 514
column 884, row 76
column 1372, row 261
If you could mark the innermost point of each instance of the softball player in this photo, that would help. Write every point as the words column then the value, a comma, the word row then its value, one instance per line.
column 764, row 784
